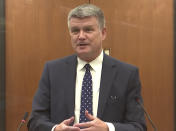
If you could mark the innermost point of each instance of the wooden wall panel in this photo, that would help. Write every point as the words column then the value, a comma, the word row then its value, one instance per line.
column 36, row 31
column 140, row 32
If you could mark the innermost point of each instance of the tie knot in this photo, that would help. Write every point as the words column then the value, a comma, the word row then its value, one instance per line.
column 87, row 66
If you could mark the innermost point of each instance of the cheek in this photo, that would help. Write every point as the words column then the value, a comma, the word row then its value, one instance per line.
column 97, row 37
column 73, row 43
column 73, row 40
column 97, row 41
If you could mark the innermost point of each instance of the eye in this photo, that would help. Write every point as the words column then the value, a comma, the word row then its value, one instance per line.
column 88, row 29
column 75, row 30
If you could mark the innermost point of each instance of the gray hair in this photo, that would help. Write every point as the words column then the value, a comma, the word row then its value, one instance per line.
column 87, row 10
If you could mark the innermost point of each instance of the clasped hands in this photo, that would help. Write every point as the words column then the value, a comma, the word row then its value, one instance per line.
column 94, row 124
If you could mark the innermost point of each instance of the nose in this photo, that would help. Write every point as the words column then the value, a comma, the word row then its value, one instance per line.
column 81, row 35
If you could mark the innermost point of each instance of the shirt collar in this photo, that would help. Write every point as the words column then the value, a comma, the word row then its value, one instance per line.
column 94, row 64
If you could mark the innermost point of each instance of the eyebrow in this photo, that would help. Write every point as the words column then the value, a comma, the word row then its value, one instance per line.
column 87, row 26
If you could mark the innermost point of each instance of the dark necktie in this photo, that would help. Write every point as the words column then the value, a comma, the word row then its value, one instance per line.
column 86, row 95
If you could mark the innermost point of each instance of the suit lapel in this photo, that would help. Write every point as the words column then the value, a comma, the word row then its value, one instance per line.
column 108, row 72
column 71, row 64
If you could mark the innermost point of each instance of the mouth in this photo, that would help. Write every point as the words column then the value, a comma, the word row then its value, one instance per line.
column 82, row 44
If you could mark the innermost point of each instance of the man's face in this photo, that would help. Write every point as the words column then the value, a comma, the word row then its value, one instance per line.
column 86, row 37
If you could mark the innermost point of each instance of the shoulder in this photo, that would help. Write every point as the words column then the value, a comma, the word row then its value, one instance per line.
column 62, row 61
column 120, row 65
column 61, row 64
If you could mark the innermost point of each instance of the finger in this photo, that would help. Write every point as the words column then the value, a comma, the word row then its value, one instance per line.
column 87, row 129
column 64, row 127
column 83, row 125
column 89, row 116
column 71, row 128
column 68, row 121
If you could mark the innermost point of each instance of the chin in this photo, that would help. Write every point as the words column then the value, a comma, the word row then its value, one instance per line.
column 82, row 52
column 86, row 56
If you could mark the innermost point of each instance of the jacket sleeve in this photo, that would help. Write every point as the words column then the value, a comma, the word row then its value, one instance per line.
column 134, row 119
column 40, row 116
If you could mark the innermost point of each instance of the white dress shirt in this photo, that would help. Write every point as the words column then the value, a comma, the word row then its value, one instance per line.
column 96, row 68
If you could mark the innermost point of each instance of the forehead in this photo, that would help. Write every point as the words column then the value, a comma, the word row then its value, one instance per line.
column 87, row 21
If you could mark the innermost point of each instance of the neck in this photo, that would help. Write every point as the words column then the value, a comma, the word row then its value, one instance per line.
column 89, row 58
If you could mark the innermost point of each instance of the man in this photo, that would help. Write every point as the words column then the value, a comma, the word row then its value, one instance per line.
column 101, row 97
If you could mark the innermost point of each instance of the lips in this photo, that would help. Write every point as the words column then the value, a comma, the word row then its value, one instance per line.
column 82, row 44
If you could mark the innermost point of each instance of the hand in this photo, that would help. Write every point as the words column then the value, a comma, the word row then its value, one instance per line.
column 64, row 126
column 94, row 124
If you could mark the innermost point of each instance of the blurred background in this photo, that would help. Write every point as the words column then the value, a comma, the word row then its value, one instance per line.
column 139, row 32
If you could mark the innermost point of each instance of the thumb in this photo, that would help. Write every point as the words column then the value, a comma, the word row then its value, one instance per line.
column 89, row 116
column 68, row 121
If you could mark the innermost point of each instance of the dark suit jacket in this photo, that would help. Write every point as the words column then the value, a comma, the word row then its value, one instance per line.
column 54, row 100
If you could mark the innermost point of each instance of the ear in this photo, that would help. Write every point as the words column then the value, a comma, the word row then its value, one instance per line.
column 103, row 31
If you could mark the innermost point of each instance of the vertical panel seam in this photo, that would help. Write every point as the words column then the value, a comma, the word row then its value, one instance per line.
column 2, row 65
